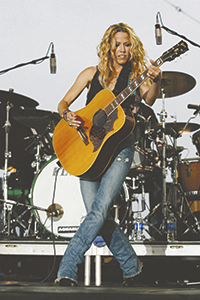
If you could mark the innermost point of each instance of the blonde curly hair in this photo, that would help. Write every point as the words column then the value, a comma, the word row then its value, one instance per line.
column 105, row 51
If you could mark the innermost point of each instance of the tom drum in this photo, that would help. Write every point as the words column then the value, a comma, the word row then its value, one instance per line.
column 189, row 176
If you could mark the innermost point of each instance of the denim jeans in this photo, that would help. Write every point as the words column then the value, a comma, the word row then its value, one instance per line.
column 98, row 197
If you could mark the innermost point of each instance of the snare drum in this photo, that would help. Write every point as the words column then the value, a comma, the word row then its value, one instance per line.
column 54, row 184
column 189, row 176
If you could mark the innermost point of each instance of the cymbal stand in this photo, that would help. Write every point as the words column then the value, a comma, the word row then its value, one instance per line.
column 7, row 207
column 141, row 179
column 175, row 168
column 163, row 116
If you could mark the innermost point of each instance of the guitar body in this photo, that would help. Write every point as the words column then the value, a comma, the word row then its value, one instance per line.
column 87, row 152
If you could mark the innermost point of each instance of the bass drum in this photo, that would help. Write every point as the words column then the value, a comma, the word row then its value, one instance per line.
column 59, row 193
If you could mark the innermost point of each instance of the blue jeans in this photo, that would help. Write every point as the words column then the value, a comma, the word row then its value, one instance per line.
column 98, row 197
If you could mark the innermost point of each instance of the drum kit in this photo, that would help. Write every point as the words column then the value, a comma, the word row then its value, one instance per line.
column 34, row 200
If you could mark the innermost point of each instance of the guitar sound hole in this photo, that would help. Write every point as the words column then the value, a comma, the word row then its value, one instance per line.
column 99, row 119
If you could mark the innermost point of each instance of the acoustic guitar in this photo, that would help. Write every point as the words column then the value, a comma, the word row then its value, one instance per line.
column 88, row 150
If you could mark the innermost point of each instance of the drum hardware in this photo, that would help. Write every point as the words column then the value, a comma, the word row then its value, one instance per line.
column 38, row 143
column 35, row 142
column 184, row 206
column 188, row 170
column 179, row 206
column 171, row 151
column 10, row 100
column 184, row 221
column 7, row 206
column 163, row 116
column 42, row 144
column 116, row 214
column 196, row 141
column 17, row 222
column 137, row 186
column 18, row 219
column 42, row 123
column 172, row 84
column 149, row 223
column 144, row 162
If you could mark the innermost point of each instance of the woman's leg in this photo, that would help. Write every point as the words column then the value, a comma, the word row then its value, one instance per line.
column 108, row 190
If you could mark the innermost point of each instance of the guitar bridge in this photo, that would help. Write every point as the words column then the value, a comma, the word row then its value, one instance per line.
column 83, row 135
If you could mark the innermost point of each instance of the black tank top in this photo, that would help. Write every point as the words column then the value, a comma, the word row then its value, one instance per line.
column 121, row 84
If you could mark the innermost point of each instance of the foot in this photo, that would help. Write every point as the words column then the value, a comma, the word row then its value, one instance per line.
column 131, row 281
column 67, row 282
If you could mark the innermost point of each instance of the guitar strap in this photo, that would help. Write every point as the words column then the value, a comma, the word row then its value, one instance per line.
column 122, row 82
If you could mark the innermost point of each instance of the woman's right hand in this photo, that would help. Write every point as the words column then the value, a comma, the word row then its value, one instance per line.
column 72, row 119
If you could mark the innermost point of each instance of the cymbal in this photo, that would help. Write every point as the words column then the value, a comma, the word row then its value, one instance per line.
column 40, row 120
column 17, row 99
column 178, row 127
column 176, row 83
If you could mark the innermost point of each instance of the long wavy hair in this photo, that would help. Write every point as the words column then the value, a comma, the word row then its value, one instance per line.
column 105, row 51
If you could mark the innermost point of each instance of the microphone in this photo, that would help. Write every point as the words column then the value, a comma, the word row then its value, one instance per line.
column 52, row 61
column 158, row 33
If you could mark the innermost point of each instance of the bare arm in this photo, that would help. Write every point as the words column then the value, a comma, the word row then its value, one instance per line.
column 82, row 81
column 150, row 94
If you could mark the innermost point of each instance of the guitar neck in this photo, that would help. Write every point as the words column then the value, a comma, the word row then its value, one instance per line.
column 129, row 89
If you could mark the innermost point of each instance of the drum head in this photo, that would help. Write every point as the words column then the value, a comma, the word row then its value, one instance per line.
column 58, row 191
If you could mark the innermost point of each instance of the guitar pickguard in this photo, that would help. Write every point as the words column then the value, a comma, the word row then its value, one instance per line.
column 97, row 134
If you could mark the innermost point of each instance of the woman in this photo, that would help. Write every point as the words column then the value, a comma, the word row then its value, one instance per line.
column 121, row 59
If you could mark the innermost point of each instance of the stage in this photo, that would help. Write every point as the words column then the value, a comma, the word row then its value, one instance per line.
column 170, row 271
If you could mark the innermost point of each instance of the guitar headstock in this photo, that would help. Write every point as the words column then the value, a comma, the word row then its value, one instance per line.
column 175, row 51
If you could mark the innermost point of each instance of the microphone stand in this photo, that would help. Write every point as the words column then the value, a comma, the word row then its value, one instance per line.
column 180, row 35
column 12, row 202
column 34, row 62
column 176, row 33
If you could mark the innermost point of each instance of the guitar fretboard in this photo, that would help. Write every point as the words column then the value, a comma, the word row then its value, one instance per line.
column 129, row 89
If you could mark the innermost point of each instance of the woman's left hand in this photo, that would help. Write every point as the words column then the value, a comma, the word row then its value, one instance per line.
column 154, row 72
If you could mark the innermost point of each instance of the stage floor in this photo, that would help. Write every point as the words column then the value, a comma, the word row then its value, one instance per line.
column 31, row 291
